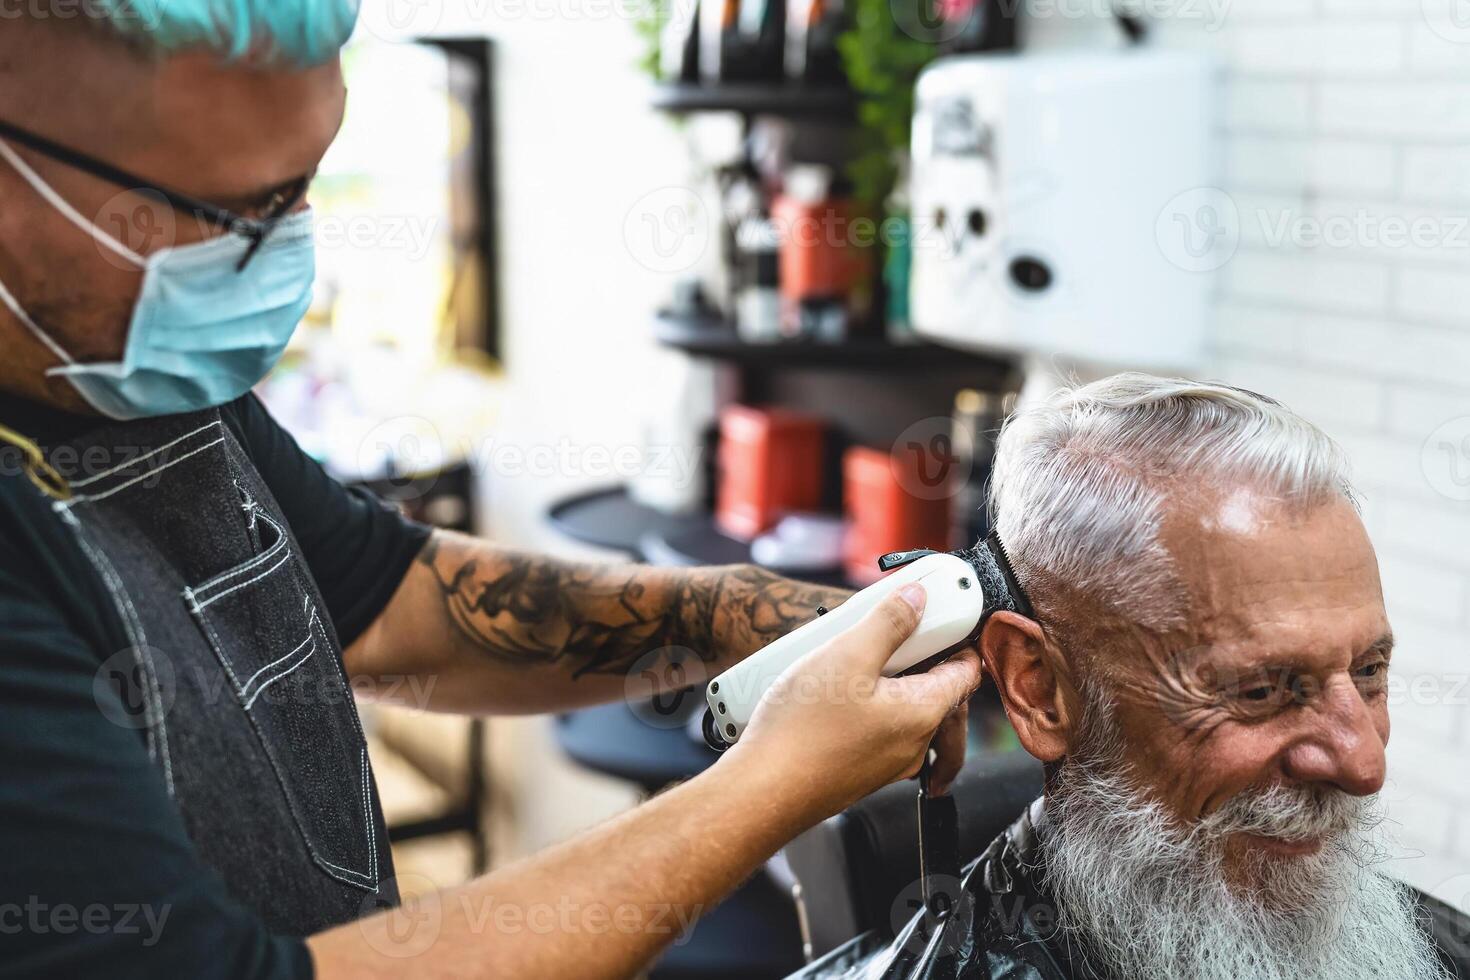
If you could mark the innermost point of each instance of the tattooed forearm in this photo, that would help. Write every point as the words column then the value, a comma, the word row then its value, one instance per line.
column 748, row 607
column 531, row 610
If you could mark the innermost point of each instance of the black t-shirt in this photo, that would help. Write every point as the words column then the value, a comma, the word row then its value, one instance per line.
column 97, row 875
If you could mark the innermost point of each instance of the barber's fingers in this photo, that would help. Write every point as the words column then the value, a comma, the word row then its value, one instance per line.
column 943, row 687
column 949, row 747
column 869, row 644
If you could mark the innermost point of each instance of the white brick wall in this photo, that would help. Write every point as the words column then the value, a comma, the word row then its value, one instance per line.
column 1335, row 109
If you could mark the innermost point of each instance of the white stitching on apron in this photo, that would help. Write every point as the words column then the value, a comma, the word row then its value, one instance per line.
column 148, row 455
column 367, row 811
column 355, row 878
column 291, row 670
column 198, row 606
column 87, row 499
column 137, row 637
column 310, row 638
column 264, row 557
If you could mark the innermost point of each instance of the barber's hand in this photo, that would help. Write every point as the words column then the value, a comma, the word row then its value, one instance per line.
column 834, row 729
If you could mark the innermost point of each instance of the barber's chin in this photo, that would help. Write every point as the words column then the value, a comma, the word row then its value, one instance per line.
column 1276, row 847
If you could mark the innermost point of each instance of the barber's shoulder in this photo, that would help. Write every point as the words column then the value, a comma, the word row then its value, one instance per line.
column 246, row 413
column 252, row 423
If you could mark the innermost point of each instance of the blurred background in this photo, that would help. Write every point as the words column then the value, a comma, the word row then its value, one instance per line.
column 730, row 280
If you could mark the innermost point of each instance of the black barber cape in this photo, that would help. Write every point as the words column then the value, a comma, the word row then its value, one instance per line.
column 1003, row 927
column 99, row 875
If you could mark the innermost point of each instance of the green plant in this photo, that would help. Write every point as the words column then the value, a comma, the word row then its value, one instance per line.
column 648, row 22
column 882, row 63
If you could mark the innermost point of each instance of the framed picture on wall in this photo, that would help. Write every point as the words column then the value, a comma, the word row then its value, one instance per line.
column 407, row 243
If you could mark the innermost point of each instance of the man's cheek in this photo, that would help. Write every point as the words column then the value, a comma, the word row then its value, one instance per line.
column 1168, row 769
column 1234, row 759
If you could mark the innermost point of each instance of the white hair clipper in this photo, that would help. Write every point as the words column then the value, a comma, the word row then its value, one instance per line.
column 962, row 589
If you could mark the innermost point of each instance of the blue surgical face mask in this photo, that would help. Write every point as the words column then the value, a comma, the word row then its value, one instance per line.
column 204, row 332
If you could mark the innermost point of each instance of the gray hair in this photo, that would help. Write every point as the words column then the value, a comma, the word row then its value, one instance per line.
column 1082, row 481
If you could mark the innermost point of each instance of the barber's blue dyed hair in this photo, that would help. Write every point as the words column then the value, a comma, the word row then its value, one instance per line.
column 297, row 32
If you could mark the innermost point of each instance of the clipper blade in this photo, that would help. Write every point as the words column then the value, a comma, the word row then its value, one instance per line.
column 993, row 567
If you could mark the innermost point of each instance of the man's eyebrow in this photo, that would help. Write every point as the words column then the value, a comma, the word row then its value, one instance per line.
column 1383, row 645
column 1286, row 660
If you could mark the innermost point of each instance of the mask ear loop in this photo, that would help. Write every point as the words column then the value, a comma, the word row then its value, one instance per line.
column 49, row 194
column 39, row 185
column 40, row 472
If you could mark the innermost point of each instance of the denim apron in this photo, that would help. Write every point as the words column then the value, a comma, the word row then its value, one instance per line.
column 233, row 672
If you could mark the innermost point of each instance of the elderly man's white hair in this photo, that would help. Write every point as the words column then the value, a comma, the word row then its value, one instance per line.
column 1082, row 482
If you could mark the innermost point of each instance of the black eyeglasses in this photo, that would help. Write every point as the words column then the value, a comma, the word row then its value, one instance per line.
column 255, row 230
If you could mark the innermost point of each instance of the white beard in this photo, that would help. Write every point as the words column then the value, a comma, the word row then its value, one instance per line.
column 1151, row 901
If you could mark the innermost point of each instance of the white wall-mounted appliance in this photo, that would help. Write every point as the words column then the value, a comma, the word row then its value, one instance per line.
column 1065, row 206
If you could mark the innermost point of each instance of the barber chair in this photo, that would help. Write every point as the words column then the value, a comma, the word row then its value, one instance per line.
column 858, row 872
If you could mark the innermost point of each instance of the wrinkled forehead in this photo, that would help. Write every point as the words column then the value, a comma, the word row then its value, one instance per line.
column 1265, row 579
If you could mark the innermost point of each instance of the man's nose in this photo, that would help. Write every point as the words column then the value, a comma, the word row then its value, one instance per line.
column 1343, row 746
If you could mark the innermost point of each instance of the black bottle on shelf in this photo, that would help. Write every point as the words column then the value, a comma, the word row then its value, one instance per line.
column 741, row 40
column 812, row 29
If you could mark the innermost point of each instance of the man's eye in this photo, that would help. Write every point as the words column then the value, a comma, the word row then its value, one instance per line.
column 1373, row 671
column 1259, row 691
column 273, row 205
column 1268, row 693
column 280, row 199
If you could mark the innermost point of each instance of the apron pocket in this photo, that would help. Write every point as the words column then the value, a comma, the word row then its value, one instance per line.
column 269, row 638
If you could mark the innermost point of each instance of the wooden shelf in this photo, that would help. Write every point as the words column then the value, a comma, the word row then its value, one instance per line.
column 756, row 99
column 712, row 338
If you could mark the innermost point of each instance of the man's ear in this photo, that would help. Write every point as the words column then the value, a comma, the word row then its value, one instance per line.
column 1029, row 672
